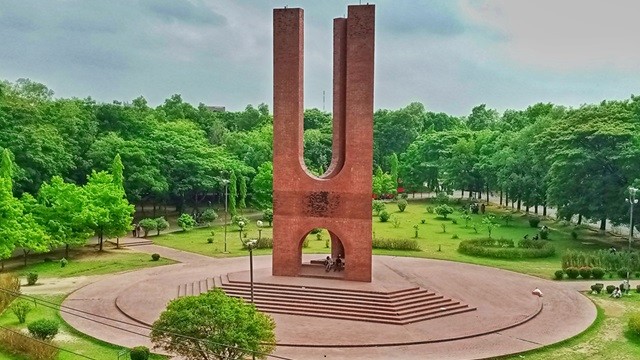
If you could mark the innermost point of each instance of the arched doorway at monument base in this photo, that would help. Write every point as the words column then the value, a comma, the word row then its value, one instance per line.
column 331, row 265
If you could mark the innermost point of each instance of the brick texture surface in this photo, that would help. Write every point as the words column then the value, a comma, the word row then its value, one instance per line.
column 339, row 200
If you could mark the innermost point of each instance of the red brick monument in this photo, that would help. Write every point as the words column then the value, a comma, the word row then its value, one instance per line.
column 340, row 199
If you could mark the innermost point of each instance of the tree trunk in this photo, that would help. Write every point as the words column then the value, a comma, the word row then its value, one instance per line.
column 100, row 241
column 487, row 194
column 26, row 252
column 536, row 209
column 142, row 207
column 579, row 219
column 480, row 194
column 527, row 209
column 544, row 209
column 470, row 194
column 154, row 209
column 117, row 242
column 519, row 204
column 603, row 224
column 500, row 197
column 462, row 191
column 66, row 251
column 506, row 199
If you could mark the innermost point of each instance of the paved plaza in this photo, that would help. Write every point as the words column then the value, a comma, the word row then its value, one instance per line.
column 507, row 319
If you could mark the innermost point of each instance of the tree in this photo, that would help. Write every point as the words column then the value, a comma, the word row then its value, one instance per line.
column 242, row 202
column 233, row 193
column 262, row 186
column 383, row 183
column 161, row 225
column 117, row 170
column 110, row 212
column 62, row 210
column 267, row 215
column 148, row 225
column 213, row 324
column 490, row 223
column 186, row 222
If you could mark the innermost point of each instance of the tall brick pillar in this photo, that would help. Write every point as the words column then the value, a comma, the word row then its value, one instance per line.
column 339, row 200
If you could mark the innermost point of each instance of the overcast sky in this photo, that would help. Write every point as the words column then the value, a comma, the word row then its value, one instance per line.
column 450, row 55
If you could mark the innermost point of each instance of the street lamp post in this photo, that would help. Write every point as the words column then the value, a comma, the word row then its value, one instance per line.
column 632, row 201
column 251, row 244
column 226, row 184
column 259, row 224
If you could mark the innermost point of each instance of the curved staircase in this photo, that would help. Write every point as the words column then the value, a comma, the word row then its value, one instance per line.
column 399, row 307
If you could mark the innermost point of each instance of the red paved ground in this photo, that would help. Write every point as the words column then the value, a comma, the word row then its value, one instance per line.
column 503, row 299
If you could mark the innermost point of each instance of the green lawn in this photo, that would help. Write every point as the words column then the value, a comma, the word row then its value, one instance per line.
column 430, row 236
column 92, row 262
column 67, row 338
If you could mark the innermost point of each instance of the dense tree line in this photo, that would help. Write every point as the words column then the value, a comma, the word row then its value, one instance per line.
column 580, row 160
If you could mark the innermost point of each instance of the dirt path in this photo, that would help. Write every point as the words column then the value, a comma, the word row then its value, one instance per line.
column 54, row 285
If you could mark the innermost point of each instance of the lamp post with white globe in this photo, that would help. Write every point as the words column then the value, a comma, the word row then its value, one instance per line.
column 259, row 224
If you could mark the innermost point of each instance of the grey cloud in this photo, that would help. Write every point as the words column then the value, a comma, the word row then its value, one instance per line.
column 184, row 11
column 419, row 18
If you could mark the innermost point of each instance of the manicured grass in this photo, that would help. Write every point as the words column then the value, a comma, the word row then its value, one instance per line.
column 67, row 338
column 92, row 262
column 606, row 339
column 434, row 242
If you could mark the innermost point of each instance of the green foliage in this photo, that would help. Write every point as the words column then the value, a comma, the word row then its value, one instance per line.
column 559, row 274
column 609, row 261
column 155, row 257
column 402, row 205
column 574, row 235
column 507, row 218
column 139, row 353
column 32, row 278
column 443, row 210
column 506, row 249
column 377, row 206
column 21, row 309
column 585, row 272
column 23, row 345
column 489, row 221
column 572, row 273
column 396, row 244
column 161, row 225
column 395, row 222
column 63, row 262
column 383, row 183
column 597, row 273
column 43, row 329
column 229, row 327
column 544, row 234
column 262, row 186
column 442, row 198
column 242, row 201
column 240, row 221
column 534, row 222
column 634, row 323
column 444, row 227
column 384, row 216
column 233, row 193
column 148, row 225
column 467, row 219
column 267, row 215
column 430, row 209
column 209, row 216
column 186, row 222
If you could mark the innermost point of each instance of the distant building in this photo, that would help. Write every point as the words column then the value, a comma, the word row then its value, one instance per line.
column 216, row 108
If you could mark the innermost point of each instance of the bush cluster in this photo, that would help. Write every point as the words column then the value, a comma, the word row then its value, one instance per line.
column 32, row 278
column 610, row 289
column 402, row 204
column 558, row 275
column 139, row 353
column 384, row 216
column 506, row 249
column 43, row 329
column 616, row 262
column 262, row 243
column 534, row 222
column 597, row 273
column 20, row 309
column 572, row 273
column 597, row 288
column 585, row 272
column 396, row 244
column 155, row 257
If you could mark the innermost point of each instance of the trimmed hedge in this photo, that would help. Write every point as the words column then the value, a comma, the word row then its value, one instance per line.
column 506, row 249
column 396, row 244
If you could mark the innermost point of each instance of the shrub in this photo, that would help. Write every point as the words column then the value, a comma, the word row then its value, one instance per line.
column 315, row 231
column 395, row 222
column 402, row 204
column 32, row 278
column 544, row 234
column 597, row 273
column 585, row 272
column 454, row 221
column 139, row 353
column 455, row 236
column 574, row 235
column 377, row 206
column 155, row 257
column 210, row 240
column 423, row 221
column 43, row 329
column 443, row 210
column 267, row 215
column 262, row 243
column 534, row 222
column 622, row 272
column 10, row 283
column 384, row 216
column 63, row 262
column 48, row 259
column 305, row 243
column 610, row 289
column 504, row 249
column 186, row 222
column 597, row 288
column 148, row 224
column 396, row 244
column 559, row 274
column 442, row 198
column 638, row 289
column 634, row 324
column 572, row 273
column 507, row 218
column 20, row 309
column 15, row 342
column 444, row 228
column 208, row 216
column 161, row 225
column 430, row 209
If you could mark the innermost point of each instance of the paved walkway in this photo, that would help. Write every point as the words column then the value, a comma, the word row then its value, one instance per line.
column 503, row 300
